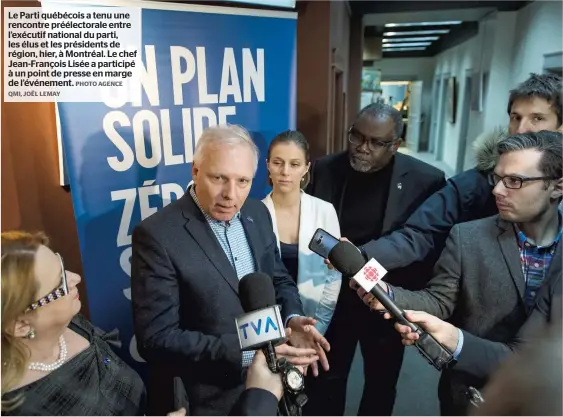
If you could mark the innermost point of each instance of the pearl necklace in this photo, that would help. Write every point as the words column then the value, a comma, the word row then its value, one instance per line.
column 38, row 366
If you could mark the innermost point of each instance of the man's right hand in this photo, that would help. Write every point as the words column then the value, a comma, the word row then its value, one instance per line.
column 443, row 332
column 302, row 357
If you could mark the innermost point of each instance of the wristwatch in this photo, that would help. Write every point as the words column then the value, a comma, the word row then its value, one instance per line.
column 293, row 380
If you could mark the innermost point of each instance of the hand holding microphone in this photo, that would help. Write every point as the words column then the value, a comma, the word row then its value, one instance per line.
column 347, row 259
column 261, row 327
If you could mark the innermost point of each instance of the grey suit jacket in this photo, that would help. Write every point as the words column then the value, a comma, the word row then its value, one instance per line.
column 479, row 286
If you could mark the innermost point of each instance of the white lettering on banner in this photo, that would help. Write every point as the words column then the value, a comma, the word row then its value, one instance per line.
column 253, row 75
column 145, row 208
column 129, row 195
column 125, row 263
column 203, row 117
column 230, row 74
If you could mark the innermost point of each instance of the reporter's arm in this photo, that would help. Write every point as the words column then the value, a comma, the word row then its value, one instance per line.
column 465, row 197
column 440, row 295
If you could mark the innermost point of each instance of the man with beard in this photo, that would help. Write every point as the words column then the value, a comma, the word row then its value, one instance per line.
column 374, row 190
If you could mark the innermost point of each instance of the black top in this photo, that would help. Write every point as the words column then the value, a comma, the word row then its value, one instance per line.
column 290, row 258
column 363, row 204
column 94, row 382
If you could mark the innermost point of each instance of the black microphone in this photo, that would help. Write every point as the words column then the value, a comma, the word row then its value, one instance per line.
column 347, row 259
column 261, row 327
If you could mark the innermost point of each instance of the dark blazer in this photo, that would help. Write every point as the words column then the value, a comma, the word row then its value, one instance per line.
column 412, row 182
column 185, row 300
column 479, row 286
column 256, row 402
column 480, row 357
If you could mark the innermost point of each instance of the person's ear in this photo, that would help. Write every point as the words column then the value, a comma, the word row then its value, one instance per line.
column 557, row 191
column 22, row 328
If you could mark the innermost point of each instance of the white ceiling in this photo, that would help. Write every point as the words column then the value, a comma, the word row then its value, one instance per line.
column 467, row 15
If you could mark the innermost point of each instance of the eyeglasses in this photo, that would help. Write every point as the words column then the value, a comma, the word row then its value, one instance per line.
column 514, row 182
column 57, row 293
column 356, row 138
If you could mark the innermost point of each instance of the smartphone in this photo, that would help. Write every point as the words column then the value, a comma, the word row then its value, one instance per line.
column 322, row 243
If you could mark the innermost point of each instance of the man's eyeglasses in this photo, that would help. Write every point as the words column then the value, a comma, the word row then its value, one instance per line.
column 514, row 182
column 356, row 138
column 57, row 293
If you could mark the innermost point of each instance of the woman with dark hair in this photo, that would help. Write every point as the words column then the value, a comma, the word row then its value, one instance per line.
column 296, row 216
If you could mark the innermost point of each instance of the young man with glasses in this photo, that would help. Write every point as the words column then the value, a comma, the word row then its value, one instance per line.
column 533, row 106
column 491, row 270
column 374, row 190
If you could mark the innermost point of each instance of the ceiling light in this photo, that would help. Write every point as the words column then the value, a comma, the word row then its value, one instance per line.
column 395, row 25
column 406, row 44
column 403, row 49
column 416, row 39
column 417, row 32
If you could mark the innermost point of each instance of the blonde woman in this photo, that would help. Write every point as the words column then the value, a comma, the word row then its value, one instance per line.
column 296, row 216
column 54, row 362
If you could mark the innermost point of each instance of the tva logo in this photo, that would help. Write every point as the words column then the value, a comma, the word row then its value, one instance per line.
column 257, row 326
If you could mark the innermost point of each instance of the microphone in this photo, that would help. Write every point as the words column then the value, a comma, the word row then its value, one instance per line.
column 347, row 259
column 261, row 327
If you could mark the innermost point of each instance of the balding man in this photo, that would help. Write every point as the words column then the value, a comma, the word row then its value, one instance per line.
column 374, row 190
column 187, row 261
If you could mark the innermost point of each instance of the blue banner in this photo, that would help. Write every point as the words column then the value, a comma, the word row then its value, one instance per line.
column 202, row 66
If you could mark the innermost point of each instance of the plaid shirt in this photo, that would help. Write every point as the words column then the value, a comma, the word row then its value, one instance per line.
column 232, row 238
column 535, row 262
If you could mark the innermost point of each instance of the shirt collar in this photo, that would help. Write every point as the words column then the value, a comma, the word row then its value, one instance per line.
column 524, row 242
column 205, row 214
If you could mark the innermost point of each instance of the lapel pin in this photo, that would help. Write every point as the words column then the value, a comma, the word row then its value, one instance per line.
column 400, row 186
column 250, row 219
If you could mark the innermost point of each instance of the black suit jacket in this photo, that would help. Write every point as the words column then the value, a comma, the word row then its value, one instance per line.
column 412, row 182
column 256, row 402
column 185, row 300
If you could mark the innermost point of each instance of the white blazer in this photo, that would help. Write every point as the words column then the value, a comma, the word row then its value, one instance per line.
column 318, row 286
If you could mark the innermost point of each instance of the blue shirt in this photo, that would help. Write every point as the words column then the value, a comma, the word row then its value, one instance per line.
column 232, row 238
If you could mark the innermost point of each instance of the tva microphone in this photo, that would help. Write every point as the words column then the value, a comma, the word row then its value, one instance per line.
column 347, row 259
column 261, row 327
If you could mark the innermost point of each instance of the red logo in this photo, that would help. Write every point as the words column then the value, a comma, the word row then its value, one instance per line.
column 371, row 274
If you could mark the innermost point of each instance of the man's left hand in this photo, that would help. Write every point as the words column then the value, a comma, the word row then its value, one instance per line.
column 304, row 335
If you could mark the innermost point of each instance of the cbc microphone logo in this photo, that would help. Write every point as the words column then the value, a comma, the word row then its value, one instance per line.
column 371, row 274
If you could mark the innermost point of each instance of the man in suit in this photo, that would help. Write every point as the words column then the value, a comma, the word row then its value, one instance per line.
column 374, row 190
column 488, row 276
column 187, row 261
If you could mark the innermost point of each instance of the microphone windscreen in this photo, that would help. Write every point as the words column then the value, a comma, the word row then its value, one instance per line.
column 256, row 291
column 346, row 258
